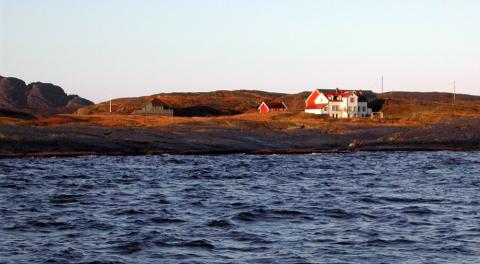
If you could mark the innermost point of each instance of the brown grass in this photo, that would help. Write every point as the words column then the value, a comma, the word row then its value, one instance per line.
column 250, row 121
column 400, row 108
column 11, row 121
column 427, row 112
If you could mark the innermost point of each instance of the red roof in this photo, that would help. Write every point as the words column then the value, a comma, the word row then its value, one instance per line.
column 334, row 96
column 275, row 105
column 338, row 93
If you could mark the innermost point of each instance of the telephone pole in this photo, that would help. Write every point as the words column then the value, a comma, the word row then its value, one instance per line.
column 454, row 95
column 382, row 84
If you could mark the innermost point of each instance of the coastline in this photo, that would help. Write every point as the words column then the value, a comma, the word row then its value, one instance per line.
column 217, row 153
column 196, row 138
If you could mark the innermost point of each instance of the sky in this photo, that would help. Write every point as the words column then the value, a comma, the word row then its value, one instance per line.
column 113, row 48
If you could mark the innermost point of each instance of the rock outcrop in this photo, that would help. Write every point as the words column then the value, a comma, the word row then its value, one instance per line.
column 37, row 99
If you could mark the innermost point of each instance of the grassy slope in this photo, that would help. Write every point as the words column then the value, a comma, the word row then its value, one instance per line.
column 413, row 121
column 225, row 102
column 403, row 106
column 429, row 107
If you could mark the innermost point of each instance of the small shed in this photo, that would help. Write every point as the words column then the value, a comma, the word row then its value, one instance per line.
column 376, row 115
column 155, row 107
column 269, row 106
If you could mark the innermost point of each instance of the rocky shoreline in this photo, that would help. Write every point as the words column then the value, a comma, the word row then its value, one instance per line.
column 89, row 139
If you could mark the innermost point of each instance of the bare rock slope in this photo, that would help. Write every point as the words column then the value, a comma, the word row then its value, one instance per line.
column 36, row 99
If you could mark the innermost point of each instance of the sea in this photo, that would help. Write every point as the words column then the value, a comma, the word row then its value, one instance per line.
column 360, row 207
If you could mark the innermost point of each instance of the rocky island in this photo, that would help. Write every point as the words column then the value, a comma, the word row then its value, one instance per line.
column 37, row 121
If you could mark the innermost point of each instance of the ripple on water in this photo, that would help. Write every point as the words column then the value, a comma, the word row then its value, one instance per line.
column 221, row 223
column 408, row 207
column 269, row 214
column 65, row 198
column 417, row 210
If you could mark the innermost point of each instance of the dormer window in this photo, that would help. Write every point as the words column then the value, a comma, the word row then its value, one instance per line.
column 352, row 99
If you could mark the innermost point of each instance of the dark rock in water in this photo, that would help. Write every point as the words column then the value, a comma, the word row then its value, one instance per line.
column 38, row 99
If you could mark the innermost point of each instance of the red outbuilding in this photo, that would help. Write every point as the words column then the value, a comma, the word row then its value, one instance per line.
column 269, row 106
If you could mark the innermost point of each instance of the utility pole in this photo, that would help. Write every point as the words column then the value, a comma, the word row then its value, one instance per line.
column 454, row 95
column 382, row 84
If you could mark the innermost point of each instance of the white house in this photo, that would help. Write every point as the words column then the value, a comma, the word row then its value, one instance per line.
column 338, row 104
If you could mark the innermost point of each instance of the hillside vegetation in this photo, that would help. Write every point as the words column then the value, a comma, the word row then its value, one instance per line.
column 203, row 103
column 410, row 124
column 429, row 107
column 403, row 106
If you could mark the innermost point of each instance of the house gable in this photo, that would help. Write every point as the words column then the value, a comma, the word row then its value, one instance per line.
column 269, row 106
column 321, row 99
column 263, row 108
column 311, row 98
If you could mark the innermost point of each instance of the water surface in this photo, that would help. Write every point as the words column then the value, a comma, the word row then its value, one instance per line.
column 320, row 208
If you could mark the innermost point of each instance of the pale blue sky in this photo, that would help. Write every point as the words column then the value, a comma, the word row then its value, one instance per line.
column 130, row 48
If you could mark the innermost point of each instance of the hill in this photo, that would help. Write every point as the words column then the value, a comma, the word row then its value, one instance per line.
column 214, row 103
column 411, row 106
column 202, row 103
column 17, row 99
column 413, row 123
column 428, row 106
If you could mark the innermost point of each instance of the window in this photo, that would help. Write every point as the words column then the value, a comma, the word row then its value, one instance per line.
column 364, row 109
column 352, row 99
column 359, row 109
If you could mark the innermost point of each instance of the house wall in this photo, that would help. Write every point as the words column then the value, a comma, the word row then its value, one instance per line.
column 312, row 97
column 314, row 111
column 347, row 107
column 263, row 108
column 335, row 109
column 321, row 99
column 154, row 110
column 356, row 108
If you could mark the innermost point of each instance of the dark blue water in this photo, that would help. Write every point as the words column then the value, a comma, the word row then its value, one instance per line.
column 417, row 207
